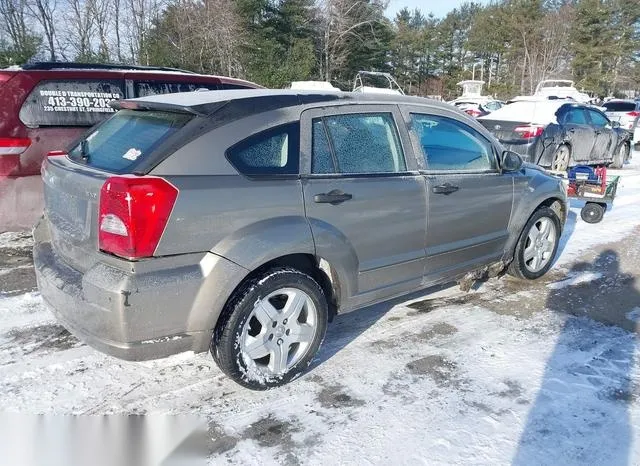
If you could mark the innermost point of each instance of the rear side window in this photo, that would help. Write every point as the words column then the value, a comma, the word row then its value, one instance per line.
column 448, row 144
column 72, row 102
column 271, row 152
column 126, row 139
column 576, row 116
column 361, row 143
column 620, row 106
column 145, row 88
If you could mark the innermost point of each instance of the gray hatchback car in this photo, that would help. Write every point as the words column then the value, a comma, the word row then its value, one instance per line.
column 243, row 221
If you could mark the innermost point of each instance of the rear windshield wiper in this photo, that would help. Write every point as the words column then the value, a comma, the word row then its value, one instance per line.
column 84, row 150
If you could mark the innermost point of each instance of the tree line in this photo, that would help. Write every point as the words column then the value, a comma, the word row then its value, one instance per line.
column 510, row 44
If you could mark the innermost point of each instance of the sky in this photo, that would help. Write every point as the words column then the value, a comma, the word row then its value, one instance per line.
column 438, row 7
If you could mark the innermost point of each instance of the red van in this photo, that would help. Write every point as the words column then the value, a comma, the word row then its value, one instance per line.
column 46, row 106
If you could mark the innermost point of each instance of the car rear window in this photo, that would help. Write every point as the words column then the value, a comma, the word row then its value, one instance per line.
column 124, row 140
column 70, row 102
column 619, row 106
column 145, row 88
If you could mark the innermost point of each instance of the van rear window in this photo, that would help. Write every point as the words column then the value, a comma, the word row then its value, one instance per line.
column 70, row 102
column 619, row 106
column 127, row 138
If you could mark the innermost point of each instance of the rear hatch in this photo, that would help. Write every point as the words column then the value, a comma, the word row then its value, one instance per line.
column 624, row 113
column 97, row 168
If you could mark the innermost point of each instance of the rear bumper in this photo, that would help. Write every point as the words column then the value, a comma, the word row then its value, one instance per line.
column 527, row 150
column 132, row 315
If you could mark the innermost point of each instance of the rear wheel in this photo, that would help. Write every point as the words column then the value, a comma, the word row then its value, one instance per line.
column 561, row 159
column 620, row 157
column 537, row 246
column 592, row 212
column 271, row 329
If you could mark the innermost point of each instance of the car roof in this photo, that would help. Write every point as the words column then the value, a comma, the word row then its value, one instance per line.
column 206, row 102
column 78, row 69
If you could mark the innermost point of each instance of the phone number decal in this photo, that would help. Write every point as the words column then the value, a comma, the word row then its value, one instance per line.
column 78, row 101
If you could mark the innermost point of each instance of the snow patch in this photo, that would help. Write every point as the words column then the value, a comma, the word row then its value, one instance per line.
column 575, row 279
column 16, row 239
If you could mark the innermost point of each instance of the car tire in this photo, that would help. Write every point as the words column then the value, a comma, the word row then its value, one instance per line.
column 592, row 212
column 533, row 245
column 271, row 328
column 621, row 156
column 561, row 158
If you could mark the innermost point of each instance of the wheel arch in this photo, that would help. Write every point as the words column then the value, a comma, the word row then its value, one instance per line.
column 555, row 203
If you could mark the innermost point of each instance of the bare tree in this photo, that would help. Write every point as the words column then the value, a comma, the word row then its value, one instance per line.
column 14, row 13
column 44, row 12
column 80, row 27
column 341, row 21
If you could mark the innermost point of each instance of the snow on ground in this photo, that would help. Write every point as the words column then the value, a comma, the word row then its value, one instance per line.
column 511, row 373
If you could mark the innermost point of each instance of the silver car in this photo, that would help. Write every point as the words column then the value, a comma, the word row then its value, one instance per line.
column 244, row 221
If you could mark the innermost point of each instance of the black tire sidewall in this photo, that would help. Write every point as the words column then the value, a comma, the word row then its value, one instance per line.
column 595, row 208
column 224, row 347
column 519, row 262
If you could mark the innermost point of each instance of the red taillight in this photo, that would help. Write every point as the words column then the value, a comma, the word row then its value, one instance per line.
column 56, row 153
column 529, row 131
column 14, row 146
column 473, row 112
column 10, row 149
column 634, row 114
column 133, row 214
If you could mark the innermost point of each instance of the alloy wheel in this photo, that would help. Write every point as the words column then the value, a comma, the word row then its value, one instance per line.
column 541, row 242
column 279, row 331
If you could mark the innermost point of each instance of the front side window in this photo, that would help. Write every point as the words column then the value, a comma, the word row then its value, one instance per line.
column 576, row 116
column 448, row 144
column 597, row 119
column 70, row 102
column 358, row 144
column 272, row 152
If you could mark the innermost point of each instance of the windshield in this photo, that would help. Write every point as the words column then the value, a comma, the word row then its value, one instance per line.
column 126, row 139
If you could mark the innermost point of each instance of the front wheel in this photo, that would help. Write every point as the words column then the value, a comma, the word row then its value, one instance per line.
column 271, row 329
column 537, row 246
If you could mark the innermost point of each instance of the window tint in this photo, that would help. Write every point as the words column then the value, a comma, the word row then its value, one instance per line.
column 619, row 106
column 234, row 86
column 272, row 152
column 127, row 138
column 365, row 143
column 493, row 105
column 76, row 102
column 144, row 88
column 598, row 119
column 448, row 144
column 322, row 160
column 576, row 116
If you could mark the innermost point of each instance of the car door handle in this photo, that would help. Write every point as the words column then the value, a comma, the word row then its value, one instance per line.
column 572, row 130
column 446, row 188
column 333, row 197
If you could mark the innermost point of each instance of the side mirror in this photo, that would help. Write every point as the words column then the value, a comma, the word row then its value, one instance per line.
column 510, row 161
column 615, row 124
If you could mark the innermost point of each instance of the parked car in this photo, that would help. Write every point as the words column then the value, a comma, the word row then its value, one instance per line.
column 242, row 222
column 559, row 134
column 627, row 113
column 47, row 106
column 478, row 108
